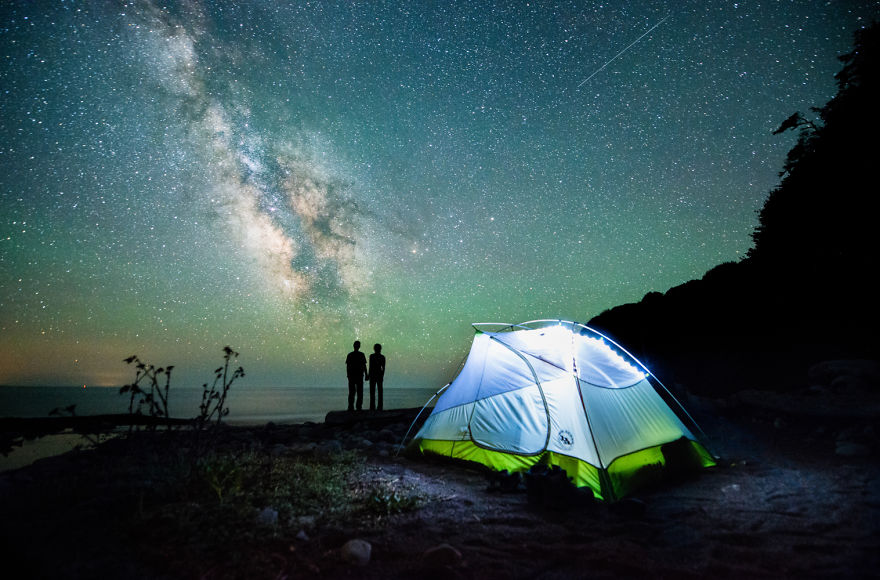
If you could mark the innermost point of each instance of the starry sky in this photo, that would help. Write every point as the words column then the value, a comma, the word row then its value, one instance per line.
column 287, row 177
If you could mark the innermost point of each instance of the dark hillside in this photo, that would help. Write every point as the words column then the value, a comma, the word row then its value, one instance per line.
column 806, row 291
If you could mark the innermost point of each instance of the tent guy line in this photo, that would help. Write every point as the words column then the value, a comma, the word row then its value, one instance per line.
column 633, row 43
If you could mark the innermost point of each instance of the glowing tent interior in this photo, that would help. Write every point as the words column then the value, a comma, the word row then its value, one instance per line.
column 560, row 393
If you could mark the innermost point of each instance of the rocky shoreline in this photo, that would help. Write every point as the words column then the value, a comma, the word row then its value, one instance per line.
column 797, row 494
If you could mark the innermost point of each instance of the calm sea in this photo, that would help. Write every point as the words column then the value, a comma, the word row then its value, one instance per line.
column 246, row 405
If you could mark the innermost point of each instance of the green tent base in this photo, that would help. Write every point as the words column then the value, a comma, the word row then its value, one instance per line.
column 624, row 476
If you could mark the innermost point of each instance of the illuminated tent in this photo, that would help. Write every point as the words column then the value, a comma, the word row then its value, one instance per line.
column 560, row 393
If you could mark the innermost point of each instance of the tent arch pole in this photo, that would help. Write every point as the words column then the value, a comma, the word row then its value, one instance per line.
column 425, row 406
column 540, row 390
column 422, row 410
column 702, row 434
column 693, row 421
column 473, row 407
column 577, row 383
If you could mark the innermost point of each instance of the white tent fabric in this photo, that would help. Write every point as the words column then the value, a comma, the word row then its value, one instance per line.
column 553, row 386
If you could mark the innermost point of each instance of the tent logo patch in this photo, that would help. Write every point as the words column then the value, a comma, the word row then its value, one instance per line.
column 566, row 439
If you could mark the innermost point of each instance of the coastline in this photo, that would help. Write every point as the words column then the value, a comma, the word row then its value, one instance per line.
column 786, row 485
column 100, row 409
column 46, row 437
column 42, row 447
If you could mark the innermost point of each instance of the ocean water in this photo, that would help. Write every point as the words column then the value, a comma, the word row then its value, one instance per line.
column 246, row 405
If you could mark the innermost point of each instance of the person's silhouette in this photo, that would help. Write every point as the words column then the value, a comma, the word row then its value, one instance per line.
column 376, row 374
column 356, row 369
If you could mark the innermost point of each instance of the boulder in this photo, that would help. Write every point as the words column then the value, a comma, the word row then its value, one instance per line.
column 825, row 373
column 851, row 384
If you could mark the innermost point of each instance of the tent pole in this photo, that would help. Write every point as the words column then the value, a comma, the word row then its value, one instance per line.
column 537, row 384
column 604, row 481
column 705, row 438
column 434, row 396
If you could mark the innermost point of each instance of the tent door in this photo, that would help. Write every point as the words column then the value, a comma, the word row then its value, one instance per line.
column 514, row 421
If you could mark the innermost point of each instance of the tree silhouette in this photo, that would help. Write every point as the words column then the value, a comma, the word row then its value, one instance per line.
column 805, row 292
column 820, row 216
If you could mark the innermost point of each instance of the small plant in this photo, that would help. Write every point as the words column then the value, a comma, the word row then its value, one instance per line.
column 213, row 404
column 386, row 500
column 223, row 475
column 153, row 396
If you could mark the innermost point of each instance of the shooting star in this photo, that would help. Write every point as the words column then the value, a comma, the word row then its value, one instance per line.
column 633, row 43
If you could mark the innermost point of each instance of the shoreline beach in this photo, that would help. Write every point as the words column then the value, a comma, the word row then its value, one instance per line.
column 786, row 485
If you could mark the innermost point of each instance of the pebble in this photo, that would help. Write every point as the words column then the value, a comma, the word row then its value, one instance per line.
column 388, row 436
column 305, row 522
column 267, row 517
column 329, row 447
column 357, row 552
column 442, row 555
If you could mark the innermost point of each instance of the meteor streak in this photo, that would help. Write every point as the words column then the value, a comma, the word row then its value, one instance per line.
column 633, row 43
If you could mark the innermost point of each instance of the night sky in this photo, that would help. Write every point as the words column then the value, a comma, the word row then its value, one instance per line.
column 286, row 178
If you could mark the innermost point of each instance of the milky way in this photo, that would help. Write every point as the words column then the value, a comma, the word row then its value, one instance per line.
column 289, row 177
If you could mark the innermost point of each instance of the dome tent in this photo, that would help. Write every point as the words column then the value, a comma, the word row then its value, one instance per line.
column 560, row 393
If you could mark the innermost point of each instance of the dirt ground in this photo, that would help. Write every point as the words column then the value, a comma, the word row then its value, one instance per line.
column 788, row 499
column 781, row 503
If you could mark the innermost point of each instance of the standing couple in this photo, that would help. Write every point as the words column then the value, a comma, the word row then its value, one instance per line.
column 356, row 368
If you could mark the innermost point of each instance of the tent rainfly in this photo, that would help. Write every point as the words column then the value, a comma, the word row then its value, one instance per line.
column 560, row 393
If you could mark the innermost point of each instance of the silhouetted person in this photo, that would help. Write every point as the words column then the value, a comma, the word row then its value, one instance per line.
column 356, row 369
column 377, row 373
